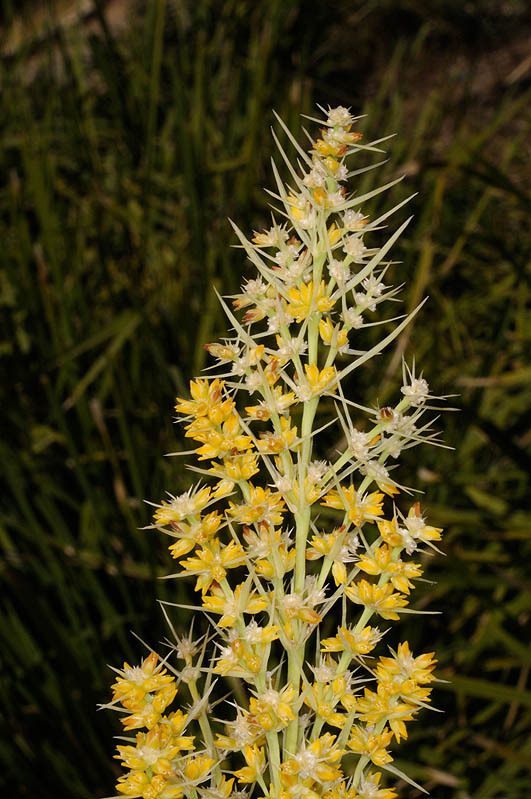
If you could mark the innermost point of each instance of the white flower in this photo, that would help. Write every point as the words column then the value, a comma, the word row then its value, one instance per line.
column 286, row 255
column 271, row 238
column 335, row 199
column 369, row 788
column 372, row 286
column 339, row 271
column 241, row 729
column 324, row 672
column 339, row 116
column 253, row 381
column 283, row 483
column 277, row 319
column 349, row 548
column 415, row 526
column 395, row 447
column 354, row 220
column 307, row 762
column 314, row 179
column 417, row 392
column 304, row 392
column 254, row 289
column 316, row 471
column 358, row 444
column 308, row 220
column 364, row 301
column 186, row 647
column 190, row 674
column 390, row 419
column 353, row 318
column 292, row 272
column 341, row 173
column 376, row 470
column 314, row 595
column 354, row 246
column 410, row 545
column 291, row 347
column 292, row 602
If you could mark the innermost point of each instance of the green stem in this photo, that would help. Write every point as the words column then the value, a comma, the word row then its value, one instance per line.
column 274, row 760
column 206, row 729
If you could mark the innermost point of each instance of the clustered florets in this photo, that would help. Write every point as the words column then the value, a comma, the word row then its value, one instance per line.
column 279, row 540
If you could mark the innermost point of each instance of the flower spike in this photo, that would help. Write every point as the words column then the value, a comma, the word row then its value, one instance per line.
column 279, row 533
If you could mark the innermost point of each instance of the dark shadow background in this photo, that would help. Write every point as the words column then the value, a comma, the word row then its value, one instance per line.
column 129, row 134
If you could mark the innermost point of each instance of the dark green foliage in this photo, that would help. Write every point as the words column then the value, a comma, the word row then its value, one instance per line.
column 123, row 154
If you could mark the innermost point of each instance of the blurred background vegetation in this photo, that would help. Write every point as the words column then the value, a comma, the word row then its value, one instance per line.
column 129, row 134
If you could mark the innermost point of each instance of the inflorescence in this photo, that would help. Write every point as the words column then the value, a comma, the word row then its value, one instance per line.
column 284, row 546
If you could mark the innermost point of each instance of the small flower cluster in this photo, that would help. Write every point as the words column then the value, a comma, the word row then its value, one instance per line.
column 278, row 540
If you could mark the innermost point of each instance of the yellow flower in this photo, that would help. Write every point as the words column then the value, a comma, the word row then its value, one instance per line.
column 260, row 412
column 224, row 352
column 320, row 197
column 316, row 381
column 386, row 705
column 178, row 720
column 318, row 761
column 135, row 682
column 404, row 665
column 311, row 491
column 359, row 508
column 368, row 788
column 307, row 299
column 137, row 783
column 399, row 573
column 195, row 533
column 301, row 210
column 211, row 564
column 331, row 164
column 333, row 336
column 263, row 505
column 324, row 544
column 147, row 712
column 322, row 698
column 256, row 762
column 272, row 443
column 223, row 489
column 198, row 768
column 332, row 546
column 348, row 640
column 237, row 466
column 328, row 149
column 417, row 527
column 334, row 234
column 207, row 401
column 390, row 532
column 327, row 690
column 364, row 742
column 277, row 566
column 154, row 749
column 273, row 709
column 230, row 609
column 243, row 657
column 270, row 238
column 220, row 442
column 380, row 598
